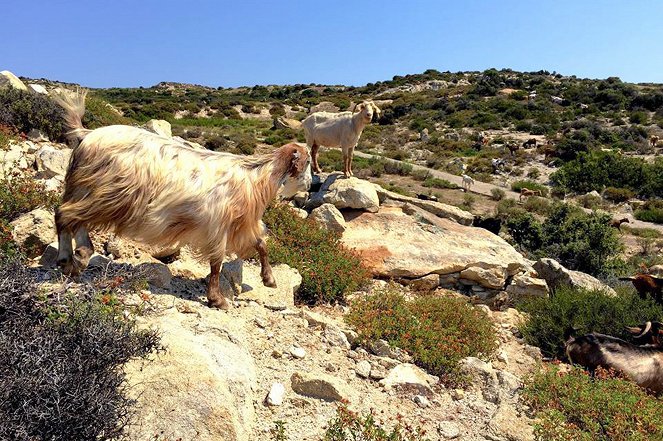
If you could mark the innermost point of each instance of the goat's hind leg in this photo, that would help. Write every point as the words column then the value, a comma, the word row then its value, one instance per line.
column 65, row 259
column 265, row 268
column 215, row 298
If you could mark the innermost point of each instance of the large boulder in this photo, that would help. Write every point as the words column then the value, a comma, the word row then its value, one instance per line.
column 346, row 193
column 199, row 387
column 8, row 79
column 286, row 123
column 160, row 127
column 11, row 159
column 329, row 217
column 393, row 244
column 52, row 162
column 38, row 88
column 524, row 285
column 34, row 231
column 555, row 274
column 437, row 208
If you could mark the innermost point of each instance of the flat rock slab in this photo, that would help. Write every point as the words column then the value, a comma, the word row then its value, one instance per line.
column 393, row 244
column 282, row 297
column 320, row 386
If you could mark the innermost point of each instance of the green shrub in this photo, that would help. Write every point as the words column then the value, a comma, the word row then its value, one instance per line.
column 617, row 195
column 438, row 183
column 497, row 194
column 351, row 426
column 99, row 114
column 20, row 194
column 245, row 144
column 533, row 173
column 651, row 211
column 437, row 331
column 537, row 205
column 7, row 134
column 590, row 201
column 329, row 270
column 530, row 185
column 26, row 111
column 574, row 406
column 525, row 230
column 638, row 118
column 8, row 247
column 468, row 202
column 61, row 362
column 216, row 143
column 587, row 311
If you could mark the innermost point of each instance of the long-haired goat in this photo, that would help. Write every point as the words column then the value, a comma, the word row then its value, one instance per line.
column 161, row 192
column 338, row 130
column 643, row 364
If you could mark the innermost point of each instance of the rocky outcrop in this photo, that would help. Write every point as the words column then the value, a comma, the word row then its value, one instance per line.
column 329, row 217
column 34, row 231
column 556, row 275
column 52, row 162
column 286, row 123
column 279, row 298
column 524, row 285
column 346, row 193
column 8, row 79
column 160, row 127
column 199, row 386
column 393, row 244
column 324, row 106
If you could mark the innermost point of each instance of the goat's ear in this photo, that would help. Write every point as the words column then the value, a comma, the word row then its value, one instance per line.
column 359, row 106
column 298, row 159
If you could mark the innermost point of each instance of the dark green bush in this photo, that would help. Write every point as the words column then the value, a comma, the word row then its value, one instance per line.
column 617, row 195
column 651, row 211
column 61, row 363
column 438, row 183
column 574, row 406
column 587, row 311
column 497, row 194
column 437, row 331
column 329, row 270
column 530, row 185
column 351, row 426
column 26, row 111
column 99, row 114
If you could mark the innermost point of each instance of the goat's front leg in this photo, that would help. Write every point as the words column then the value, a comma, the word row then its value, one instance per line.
column 214, row 297
column 265, row 267
column 314, row 158
column 84, row 248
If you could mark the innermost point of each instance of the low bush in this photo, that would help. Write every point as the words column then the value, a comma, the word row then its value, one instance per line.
column 20, row 193
column 537, row 205
column 26, row 111
column 530, row 185
column 497, row 194
column 7, row 134
column 439, row 183
column 61, row 362
column 329, row 270
column 437, row 331
column 575, row 406
column 651, row 211
column 351, row 426
column 98, row 113
column 617, row 195
column 587, row 311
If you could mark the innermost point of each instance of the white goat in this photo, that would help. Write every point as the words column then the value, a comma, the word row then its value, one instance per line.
column 338, row 130
column 467, row 182
column 161, row 192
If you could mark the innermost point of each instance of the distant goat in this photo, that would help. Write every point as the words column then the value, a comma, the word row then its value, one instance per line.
column 617, row 223
column 427, row 197
column 496, row 163
column 467, row 182
column 492, row 224
column 557, row 100
column 647, row 284
column 513, row 148
column 642, row 364
column 653, row 140
column 530, row 143
column 338, row 130
column 527, row 193
column 160, row 192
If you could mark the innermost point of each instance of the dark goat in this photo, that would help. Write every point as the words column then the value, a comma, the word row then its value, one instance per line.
column 617, row 223
column 492, row 224
column 427, row 197
column 642, row 364
column 647, row 284
column 650, row 333
column 529, row 143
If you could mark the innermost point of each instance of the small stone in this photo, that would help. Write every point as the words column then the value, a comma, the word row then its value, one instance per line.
column 157, row 274
column 354, row 355
column 297, row 352
column 363, row 369
column 378, row 372
column 98, row 261
column 275, row 395
column 49, row 257
column 277, row 353
column 448, row 430
column 410, row 376
column 421, row 401
column 457, row 394
column 335, row 337
column 320, row 386
column 260, row 322
column 501, row 356
column 330, row 368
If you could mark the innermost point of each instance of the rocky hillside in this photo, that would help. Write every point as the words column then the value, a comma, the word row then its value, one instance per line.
column 273, row 368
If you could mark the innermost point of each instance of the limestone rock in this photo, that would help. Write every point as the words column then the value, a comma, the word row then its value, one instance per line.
column 329, row 217
column 335, row 337
column 557, row 275
column 156, row 274
column 37, row 136
column 524, row 285
column 52, row 162
column 507, row 425
column 324, row 106
column 286, row 123
column 320, row 386
column 38, row 88
column 49, row 258
column 275, row 395
column 160, row 127
column 297, row 352
column 11, row 159
column 393, row 244
column 363, row 369
column 439, row 209
column 408, row 376
column 282, row 297
column 491, row 277
column 483, row 375
column 8, row 79
column 231, row 277
column 200, row 386
column 346, row 193
column 448, row 430
column 34, row 231
column 425, row 283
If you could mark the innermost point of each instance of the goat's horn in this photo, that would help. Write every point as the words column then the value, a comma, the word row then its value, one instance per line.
column 647, row 329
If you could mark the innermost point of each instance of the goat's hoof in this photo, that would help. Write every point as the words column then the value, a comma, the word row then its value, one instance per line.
column 219, row 303
column 269, row 281
column 68, row 267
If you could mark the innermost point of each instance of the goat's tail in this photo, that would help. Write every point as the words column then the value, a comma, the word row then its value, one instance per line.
column 73, row 103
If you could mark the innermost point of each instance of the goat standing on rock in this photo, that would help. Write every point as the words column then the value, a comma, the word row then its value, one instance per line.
column 338, row 130
column 161, row 192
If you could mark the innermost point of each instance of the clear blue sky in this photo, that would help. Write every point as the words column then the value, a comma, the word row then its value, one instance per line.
column 231, row 43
